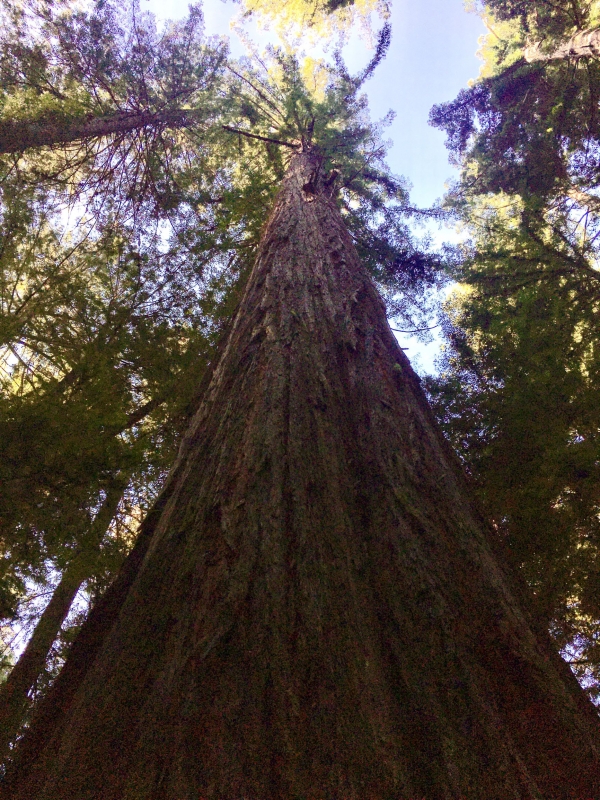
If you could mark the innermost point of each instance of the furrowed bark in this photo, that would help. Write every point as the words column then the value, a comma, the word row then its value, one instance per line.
column 314, row 609
column 584, row 44
column 18, row 136
column 14, row 693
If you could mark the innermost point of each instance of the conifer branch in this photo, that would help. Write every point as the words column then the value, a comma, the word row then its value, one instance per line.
column 417, row 330
column 261, row 138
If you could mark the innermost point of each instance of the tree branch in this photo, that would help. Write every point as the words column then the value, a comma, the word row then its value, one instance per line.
column 261, row 138
column 17, row 136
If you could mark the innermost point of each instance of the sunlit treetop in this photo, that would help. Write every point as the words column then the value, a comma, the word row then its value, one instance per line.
column 543, row 14
column 319, row 19
column 514, row 26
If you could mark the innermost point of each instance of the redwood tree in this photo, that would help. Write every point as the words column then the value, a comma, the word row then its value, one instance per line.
column 314, row 607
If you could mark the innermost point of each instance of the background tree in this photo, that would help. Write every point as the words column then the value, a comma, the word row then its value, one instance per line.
column 104, row 72
column 105, row 310
column 521, row 372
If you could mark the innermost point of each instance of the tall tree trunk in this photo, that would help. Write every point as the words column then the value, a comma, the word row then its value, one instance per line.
column 581, row 45
column 14, row 693
column 19, row 135
column 314, row 608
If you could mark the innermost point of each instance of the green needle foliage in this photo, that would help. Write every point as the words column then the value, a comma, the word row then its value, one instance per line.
column 520, row 380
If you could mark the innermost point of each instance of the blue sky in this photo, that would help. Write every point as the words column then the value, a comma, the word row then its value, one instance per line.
column 432, row 57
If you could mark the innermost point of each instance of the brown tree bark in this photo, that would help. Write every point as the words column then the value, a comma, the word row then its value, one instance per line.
column 18, row 136
column 581, row 45
column 314, row 608
column 14, row 692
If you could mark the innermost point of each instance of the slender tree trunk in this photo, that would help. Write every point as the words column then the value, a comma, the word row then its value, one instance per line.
column 314, row 608
column 14, row 693
column 17, row 136
column 581, row 45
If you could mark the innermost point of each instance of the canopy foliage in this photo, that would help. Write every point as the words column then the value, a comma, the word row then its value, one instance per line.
column 317, row 19
column 520, row 376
